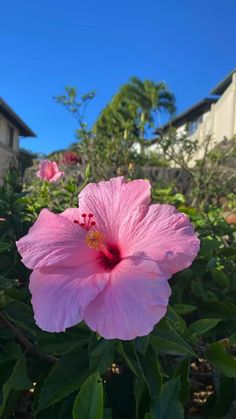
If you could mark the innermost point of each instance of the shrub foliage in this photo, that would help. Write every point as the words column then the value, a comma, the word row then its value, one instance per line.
column 186, row 368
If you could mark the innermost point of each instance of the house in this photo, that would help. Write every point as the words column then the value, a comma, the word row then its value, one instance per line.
column 11, row 129
column 213, row 116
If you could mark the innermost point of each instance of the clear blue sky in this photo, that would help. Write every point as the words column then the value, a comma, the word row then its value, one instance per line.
column 99, row 44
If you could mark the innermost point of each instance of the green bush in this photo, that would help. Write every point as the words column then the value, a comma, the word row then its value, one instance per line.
column 185, row 368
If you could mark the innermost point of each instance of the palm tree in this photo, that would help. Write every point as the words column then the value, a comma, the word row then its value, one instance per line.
column 135, row 109
column 149, row 99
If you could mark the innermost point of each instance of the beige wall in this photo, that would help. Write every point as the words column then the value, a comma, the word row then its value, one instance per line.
column 4, row 133
column 220, row 122
column 7, row 154
column 182, row 129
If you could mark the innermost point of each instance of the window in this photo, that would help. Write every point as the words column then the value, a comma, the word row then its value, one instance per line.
column 10, row 136
column 193, row 125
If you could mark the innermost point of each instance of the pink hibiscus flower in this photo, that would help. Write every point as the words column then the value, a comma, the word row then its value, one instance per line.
column 108, row 261
column 70, row 158
column 49, row 170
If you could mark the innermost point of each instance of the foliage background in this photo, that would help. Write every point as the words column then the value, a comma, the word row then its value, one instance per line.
column 186, row 367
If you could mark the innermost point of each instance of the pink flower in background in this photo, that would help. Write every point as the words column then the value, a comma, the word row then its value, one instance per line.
column 49, row 170
column 107, row 262
column 70, row 158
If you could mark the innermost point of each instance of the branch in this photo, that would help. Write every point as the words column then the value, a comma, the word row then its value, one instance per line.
column 30, row 347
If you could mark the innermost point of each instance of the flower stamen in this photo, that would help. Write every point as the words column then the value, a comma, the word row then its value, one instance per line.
column 94, row 239
column 86, row 223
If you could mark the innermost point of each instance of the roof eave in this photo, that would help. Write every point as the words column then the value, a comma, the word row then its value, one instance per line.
column 24, row 129
column 182, row 117
column 222, row 86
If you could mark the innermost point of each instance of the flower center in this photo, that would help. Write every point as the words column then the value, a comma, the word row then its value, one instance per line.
column 95, row 239
column 109, row 254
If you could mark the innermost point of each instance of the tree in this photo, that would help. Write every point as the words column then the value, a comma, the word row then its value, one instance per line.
column 109, row 144
column 135, row 109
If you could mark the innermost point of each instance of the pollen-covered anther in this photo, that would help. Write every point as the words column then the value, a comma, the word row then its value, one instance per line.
column 94, row 239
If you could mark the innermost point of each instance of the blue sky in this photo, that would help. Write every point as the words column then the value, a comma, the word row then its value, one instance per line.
column 99, row 44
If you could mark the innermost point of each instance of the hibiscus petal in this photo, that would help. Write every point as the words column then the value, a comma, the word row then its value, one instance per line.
column 55, row 239
column 59, row 297
column 111, row 201
column 163, row 234
column 133, row 301
column 57, row 176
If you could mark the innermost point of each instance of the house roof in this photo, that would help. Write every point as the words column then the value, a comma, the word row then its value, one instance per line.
column 190, row 114
column 8, row 112
column 222, row 86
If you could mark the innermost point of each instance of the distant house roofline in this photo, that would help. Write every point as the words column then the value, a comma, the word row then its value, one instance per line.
column 187, row 116
column 8, row 112
column 222, row 86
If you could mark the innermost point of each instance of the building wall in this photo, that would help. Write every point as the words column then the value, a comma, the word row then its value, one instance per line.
column 182, row 129
column 220, row 122
column 7, row 154
column 4, row 124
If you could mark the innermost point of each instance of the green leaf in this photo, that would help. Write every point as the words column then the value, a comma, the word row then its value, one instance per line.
column 166, row 340
column 213, row 309
column 60, row 342
column 107, row 414
column 145, row 367
column 174, row 321
column 225, row 396
column 232, row 339
column 4, row 247
column 142, row 396
column 6, row 369
column 141, row 344
column 208, row 246
column 198, row 290
column 183, row 371
column 217, row 355
column 87, row 172
column 60, row 410
column 182, row 309
column 89, row 402
column 167, row 405
column 220, row 278
column 13, row 374
column 22, row 315
column 2, row 299
column 202, row 326
column 19, row 379
column 67, row 375
column 6, row 282
column 127, row 350
column 228, row 251
column 102, row 356
column 150, row 368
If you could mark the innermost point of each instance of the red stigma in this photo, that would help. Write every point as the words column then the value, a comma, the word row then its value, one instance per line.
column 87, row 223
